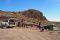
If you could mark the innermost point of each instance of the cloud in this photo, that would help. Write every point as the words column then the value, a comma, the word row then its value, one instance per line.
column 56, row 19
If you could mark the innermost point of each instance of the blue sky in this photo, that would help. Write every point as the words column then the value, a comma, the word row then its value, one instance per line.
column 50, row 8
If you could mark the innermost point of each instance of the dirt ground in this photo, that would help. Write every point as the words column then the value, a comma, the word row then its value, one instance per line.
column 27, row 34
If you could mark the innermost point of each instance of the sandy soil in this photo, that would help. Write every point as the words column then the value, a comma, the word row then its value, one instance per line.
column 27, row 34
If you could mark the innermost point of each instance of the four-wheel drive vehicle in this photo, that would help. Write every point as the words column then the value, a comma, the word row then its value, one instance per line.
column 11, row 22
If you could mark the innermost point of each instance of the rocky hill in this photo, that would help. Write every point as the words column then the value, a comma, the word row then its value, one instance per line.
column 30, row 15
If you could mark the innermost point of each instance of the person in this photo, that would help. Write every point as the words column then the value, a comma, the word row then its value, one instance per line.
column 40, row 26
column 22, row 23
column 18, row 23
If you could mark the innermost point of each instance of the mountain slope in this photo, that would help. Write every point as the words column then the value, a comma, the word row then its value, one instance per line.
column 30, row 15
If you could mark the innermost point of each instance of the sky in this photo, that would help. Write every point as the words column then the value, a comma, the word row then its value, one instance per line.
column 49, row 8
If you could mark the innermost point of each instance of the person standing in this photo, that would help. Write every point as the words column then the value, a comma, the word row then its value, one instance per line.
column 40, row 26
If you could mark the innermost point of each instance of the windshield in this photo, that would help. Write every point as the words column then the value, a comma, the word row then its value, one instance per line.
column 11, row 20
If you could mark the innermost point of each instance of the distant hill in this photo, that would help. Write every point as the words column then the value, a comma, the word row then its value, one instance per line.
column 56, row 23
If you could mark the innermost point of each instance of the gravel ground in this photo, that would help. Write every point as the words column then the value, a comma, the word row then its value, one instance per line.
column 27, row 34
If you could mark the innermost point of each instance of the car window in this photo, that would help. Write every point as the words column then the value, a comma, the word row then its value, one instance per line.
column 11, row 20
